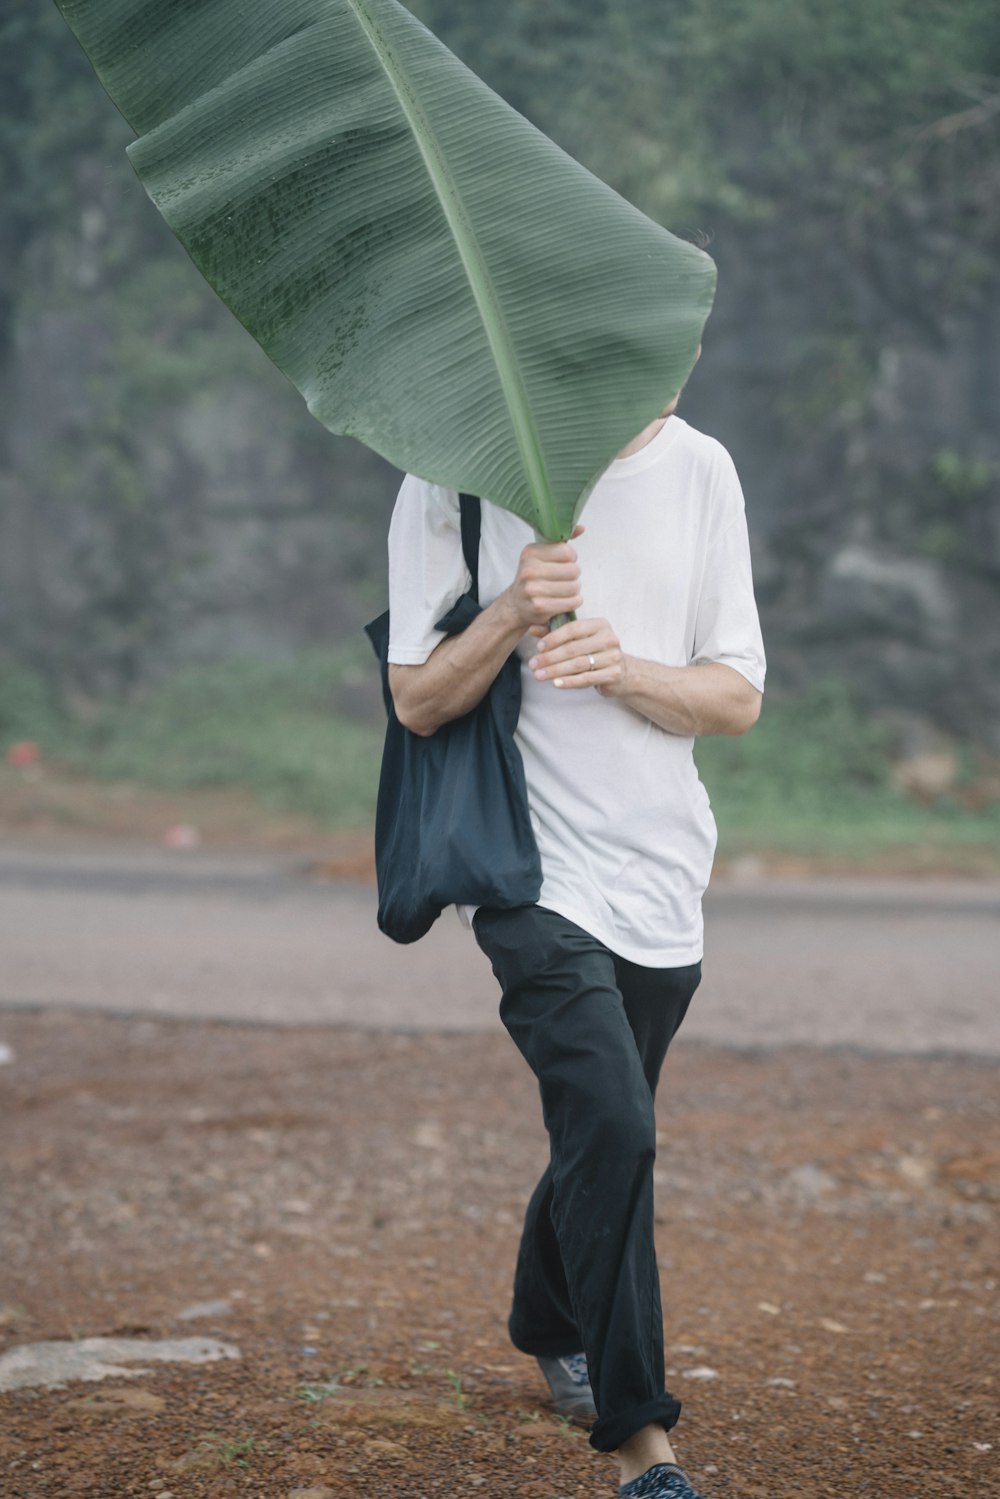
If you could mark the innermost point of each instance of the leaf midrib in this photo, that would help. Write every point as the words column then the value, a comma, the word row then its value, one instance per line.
column 480, row 281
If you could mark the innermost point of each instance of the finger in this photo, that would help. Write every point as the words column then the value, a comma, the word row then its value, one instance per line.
column 552, row 551
column 579, row 635
column 598, row 678
column 575, row 665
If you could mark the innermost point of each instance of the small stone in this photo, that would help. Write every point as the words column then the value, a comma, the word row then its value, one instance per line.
column 429, row 1135
column 780, row 1383
column 202, row 1309
column 829, row 1325
column 769, row 1307
column 6, row 1054
column 320, row 1492
column 811, row 1181
column 384, row 1450
column 700, row 1371
column 875, row 1277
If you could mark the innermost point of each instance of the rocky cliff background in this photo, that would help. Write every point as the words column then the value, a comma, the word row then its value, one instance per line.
column 165, row 498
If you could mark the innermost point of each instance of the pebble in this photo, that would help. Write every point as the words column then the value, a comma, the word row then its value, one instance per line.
column 831, row 1326
column 204, row 1309
column 811, row 1181
column 386, row 1451
column 320, row 1492
column 780, row 1383
column 6, row 1054
column 700, row 1371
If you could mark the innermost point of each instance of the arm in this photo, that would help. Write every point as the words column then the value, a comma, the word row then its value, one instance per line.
column 459, row 671
column 706, row 698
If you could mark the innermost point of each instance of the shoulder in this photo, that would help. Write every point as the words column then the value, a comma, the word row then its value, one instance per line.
column 420, row 497
column 707, row 452
column 423, row 510
column 711, row 466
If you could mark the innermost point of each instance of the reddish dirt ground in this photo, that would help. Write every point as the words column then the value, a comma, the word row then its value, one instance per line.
column 826, row 1230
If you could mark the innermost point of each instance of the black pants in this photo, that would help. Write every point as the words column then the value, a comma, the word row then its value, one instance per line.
column 594, row 1029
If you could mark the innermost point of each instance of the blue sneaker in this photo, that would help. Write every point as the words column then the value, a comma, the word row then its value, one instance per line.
column 569, row 1381
column 664, row 1481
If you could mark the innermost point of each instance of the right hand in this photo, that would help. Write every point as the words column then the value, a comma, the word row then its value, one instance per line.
column 547, row 582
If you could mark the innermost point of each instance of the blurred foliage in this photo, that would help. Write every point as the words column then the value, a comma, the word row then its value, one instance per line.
column 814, row 777
column 280, row 731
column 820, row 746
column 30, row 708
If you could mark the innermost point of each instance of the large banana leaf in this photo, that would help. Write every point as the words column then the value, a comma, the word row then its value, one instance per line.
column 435, row 276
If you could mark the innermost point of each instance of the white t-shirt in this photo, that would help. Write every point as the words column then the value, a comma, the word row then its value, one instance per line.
column 623, row 824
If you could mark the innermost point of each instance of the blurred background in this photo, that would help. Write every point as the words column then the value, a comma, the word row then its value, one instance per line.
column 187, row 558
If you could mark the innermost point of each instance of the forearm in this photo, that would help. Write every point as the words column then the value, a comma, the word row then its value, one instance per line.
column 459, row 671
column 709, row 698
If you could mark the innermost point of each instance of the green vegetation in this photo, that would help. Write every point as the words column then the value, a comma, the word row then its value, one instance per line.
column 228, row 1452
column 276, row 729
column 812, row 779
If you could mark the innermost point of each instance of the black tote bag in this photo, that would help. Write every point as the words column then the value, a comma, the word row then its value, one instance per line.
column 452, row 825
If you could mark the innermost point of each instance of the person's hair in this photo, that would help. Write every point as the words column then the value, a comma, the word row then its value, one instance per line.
column 702, row 238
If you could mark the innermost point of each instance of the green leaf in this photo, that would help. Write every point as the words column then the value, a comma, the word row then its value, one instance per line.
column 435, row 276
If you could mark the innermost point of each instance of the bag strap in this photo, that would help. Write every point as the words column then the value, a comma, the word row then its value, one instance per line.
column 472, row 523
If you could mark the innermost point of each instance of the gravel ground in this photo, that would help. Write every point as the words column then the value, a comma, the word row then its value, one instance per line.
column 343, row 1206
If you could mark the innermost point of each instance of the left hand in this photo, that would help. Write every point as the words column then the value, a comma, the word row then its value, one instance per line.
column 583, row 653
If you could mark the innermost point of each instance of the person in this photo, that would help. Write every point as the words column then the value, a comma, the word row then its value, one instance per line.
column 597, row 977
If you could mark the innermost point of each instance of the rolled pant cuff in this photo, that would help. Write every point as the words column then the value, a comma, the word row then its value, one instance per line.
column 607, row 1435
column 542, row 1347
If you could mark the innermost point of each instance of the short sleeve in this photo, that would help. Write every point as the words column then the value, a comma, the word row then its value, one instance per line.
column 427, row 572
column 727, row 626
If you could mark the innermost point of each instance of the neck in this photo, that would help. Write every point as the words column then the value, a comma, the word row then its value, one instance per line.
column 644, row 438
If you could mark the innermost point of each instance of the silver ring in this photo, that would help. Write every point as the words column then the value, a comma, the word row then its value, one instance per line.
column 593, row 663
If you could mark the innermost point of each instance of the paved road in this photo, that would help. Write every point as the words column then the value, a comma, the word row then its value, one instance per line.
column 887, row 965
